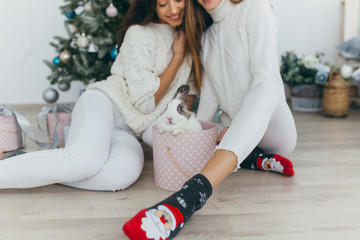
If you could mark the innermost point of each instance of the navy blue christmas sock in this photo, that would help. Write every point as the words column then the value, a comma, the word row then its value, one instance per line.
column 165, row 219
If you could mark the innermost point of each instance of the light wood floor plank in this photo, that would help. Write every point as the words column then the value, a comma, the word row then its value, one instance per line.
column 320, row 202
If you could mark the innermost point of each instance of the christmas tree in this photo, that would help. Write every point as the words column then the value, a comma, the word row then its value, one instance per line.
column 89, row 51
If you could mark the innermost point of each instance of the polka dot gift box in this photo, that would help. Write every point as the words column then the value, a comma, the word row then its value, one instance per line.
column 62, row 120
column 178, row 158
column 10, row 134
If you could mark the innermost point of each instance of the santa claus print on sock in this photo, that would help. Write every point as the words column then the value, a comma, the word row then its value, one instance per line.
column 275, row 163
column 259, row 160
column 159, row 223
column 164, row 220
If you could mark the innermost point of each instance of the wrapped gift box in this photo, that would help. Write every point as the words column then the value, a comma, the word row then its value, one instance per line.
column 63, row 120
column 10, row 134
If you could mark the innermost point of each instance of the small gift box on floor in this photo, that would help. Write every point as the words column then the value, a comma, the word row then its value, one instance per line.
column 57, row 118
column 61, row 120
column 178, row 158
column 10, row 132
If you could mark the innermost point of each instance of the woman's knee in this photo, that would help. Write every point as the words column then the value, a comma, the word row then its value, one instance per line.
column 82, row 165
column 122, row 176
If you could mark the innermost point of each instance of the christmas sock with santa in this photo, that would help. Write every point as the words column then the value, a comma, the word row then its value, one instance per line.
column 165, row 219
column 259, row 160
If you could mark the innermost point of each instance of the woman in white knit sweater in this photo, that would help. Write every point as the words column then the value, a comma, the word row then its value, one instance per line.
column 102, row 150
column 242, row 77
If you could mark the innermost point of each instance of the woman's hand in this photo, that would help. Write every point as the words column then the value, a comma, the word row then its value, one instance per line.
column 221, row 135
column 178, row 45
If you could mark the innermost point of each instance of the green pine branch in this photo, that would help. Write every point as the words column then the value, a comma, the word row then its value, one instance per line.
column 101, row 30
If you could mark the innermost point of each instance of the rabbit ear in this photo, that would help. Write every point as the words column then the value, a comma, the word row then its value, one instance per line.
column 182, row 92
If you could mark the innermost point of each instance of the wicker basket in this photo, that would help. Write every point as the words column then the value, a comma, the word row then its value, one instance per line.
column 336, row 96
column 307, row 98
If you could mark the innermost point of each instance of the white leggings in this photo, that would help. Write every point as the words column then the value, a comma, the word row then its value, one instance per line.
column 264, row 120
column 101, row 152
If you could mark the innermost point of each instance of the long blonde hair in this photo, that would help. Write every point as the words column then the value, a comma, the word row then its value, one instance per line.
column 196, row 21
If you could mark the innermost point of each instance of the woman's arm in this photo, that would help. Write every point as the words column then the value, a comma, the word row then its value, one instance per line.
column 170, row 72
column 137, row 59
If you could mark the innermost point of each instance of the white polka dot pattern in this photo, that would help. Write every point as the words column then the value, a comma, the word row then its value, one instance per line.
column 64, row 119
column 188, row 153
column 10, row 135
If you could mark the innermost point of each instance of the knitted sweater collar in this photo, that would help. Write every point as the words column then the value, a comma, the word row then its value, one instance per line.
column 220, row 12
column 165, row 29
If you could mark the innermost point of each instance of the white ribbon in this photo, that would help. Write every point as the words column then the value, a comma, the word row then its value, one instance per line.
column 54, row 110
column 24, row 124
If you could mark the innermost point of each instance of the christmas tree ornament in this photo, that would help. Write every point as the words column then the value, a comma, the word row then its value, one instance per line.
column 82, row 41
column 73, row 28
column 64, row 86
column 50, row 95
column 56, row 61
column 70, row 14
column 111, row 10
column 88, row 7
column 93, row 48
column 65, row 56
column 114, row 53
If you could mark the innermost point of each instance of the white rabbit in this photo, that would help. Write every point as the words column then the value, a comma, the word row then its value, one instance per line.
column 177, row 118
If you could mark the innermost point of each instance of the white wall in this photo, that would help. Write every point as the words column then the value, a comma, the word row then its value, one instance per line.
column 27, row 27
column 308, row 26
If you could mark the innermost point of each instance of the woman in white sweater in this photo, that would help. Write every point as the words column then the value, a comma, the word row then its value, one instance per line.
column 242, row 77
column 102, row 150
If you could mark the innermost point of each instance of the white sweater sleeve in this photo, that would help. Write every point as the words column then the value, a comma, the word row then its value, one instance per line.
column 209, row 103
column 139, row 49
column 262, row 28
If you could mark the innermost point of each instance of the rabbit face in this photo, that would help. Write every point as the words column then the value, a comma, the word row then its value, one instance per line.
column 177, row 118
column 176, row 113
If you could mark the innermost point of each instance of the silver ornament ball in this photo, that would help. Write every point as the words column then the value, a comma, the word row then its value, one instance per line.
column 65, row 56
column 111, row 10
column 82, row 41
column 50, row 95
column 64, row 86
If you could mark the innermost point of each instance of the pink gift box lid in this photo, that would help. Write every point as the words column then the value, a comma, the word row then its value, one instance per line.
column 7, row 119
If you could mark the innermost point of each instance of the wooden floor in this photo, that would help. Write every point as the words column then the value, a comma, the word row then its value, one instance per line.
column 322, row 200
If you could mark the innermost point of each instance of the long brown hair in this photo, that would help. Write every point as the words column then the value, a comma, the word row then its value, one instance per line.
column 143, row 12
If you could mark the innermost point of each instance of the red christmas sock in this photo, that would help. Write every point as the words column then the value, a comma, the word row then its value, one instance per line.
column 154, row 223
column 275, row 163
column 164, row 220
column 259, row 160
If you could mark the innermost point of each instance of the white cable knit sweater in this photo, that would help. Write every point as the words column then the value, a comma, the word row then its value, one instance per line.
column 239, row 53
column 144, row 55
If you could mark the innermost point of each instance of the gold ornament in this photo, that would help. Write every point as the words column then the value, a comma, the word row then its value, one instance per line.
column 83, row 41
column 65, row 56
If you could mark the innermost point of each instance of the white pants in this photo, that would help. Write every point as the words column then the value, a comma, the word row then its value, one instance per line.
column 264, row 120
column 101, row 152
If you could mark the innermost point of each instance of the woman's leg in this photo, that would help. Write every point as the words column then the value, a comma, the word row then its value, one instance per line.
column 262, row 122
column 122, row 168
column 86, row 150
column 147, row 135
